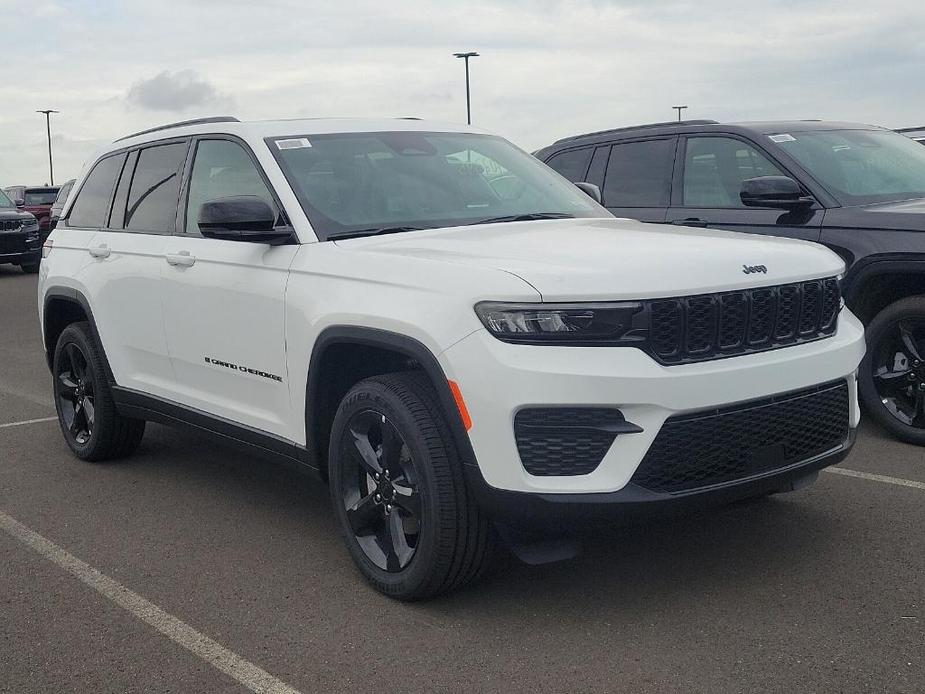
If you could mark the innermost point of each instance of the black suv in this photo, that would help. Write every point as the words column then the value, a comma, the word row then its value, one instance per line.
column 858, row 189
column 20, row 243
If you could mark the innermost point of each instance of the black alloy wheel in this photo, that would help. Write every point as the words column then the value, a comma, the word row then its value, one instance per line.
column 379, row 491
column 892, row 376
column 898, row 364
column 75, row 394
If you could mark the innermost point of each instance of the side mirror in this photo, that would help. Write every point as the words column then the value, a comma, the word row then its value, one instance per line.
column 591, row 190
column 19, row 202
column 241, row 218
column 778, row 192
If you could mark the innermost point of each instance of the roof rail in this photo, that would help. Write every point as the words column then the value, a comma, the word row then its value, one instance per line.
column 180, row 124
column 664, row 124
column 910, row 130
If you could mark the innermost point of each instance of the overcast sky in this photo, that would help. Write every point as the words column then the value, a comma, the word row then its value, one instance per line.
column 547, row 69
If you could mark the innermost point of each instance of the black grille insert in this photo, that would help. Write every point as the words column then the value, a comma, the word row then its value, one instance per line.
column 567, row 440
column 713, row 326
column 707, row 448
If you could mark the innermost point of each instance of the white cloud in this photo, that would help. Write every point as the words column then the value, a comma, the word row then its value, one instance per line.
column 548, row 68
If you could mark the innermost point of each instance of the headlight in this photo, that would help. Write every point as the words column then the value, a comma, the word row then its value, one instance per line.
column 573, row 324
column 30, row 225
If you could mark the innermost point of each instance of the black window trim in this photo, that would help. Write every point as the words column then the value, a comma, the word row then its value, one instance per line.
column 677, row 197
column 65, row 221
column 188, row 172
column 633, row 140
column 589, row 148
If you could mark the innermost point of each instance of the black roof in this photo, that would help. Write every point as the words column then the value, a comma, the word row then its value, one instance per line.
column 705, row 126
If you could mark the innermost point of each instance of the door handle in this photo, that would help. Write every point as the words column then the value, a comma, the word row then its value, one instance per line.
column 101, row 251
column 689, row 222
column 181, row 259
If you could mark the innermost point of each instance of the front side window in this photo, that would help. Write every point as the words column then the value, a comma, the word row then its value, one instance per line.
column 860, row 167
column 573, row 165
column 155, row 190
column 91, row 208
column 357, row 182
column 639, row 174
column 222, row 169
column 714, row 168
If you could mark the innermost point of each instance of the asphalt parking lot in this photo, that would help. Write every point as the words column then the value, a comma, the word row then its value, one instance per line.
column 189, row 542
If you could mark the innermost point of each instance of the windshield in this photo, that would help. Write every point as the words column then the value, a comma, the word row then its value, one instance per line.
column 40, row 197
column 5, row 202
column 362, row 182
column 860, row 166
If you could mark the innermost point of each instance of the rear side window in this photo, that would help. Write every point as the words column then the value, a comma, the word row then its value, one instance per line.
column 45, row 196
column 155, row 189
column 573, row 164
column 639, row 174
column 91, row 207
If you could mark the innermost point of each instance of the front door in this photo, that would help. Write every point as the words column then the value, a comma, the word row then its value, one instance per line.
column 707, row 185
column 224, row 301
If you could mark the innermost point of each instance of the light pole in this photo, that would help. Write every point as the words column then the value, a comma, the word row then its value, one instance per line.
column 466, row 56
column 679, row 109
column 51, row 166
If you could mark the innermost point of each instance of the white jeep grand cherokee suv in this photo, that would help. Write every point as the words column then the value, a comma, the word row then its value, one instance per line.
column 455, row 337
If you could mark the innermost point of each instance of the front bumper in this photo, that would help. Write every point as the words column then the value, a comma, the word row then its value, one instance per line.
column 497, row 380
column 18, row 247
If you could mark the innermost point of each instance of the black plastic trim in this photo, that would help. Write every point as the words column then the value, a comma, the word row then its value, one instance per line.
column 73, row 296
column 133, row 403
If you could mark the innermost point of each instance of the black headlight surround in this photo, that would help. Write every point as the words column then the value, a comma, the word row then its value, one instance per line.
column 597, row 324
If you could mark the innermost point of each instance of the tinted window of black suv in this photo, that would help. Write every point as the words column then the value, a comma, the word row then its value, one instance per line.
column 858, row 189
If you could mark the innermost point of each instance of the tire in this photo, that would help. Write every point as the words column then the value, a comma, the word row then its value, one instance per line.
column 891, row 380
column 96, row 432
column 451, row 541
column 30, row 268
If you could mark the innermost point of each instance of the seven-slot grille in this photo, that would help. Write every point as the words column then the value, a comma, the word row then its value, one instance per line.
column 712, row 326
column 703, row 449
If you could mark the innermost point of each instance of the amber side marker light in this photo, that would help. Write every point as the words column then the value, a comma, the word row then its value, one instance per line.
column 46, row 248
column 460, row 405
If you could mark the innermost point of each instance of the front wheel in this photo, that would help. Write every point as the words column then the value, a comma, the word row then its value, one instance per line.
column 892, row 375
column 396, row 482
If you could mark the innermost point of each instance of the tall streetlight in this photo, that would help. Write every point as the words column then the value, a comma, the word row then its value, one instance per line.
column 679, row 109
column 466, row 56
column 51, row 166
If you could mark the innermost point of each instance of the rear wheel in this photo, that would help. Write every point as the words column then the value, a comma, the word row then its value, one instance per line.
column 92, row 427
column 892, row 376
column 401, row 503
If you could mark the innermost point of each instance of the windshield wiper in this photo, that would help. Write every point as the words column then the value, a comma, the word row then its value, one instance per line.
column 526, row 217
column 375, row 231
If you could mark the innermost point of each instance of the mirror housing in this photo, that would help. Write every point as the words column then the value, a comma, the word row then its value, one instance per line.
column 241, row 218
column 777, row 192
column 19, row 202
column 591, row 190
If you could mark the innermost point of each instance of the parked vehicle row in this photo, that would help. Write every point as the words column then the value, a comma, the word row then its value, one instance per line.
column 461, row 342
column 20, row 237
column 858, row 189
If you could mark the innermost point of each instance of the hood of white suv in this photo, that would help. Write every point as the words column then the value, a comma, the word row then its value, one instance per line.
column 607, row 259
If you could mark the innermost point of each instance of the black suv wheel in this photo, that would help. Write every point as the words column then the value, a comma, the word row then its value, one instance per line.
column 92, row 427
column 398, row 492
column 892, row 376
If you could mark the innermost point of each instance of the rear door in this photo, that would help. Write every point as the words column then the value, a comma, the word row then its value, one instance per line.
column 635, row 177
column 126, row 252
column 707, row 182
column 224, row 300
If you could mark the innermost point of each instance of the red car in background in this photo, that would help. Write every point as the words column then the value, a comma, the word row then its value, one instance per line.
column 36, row 200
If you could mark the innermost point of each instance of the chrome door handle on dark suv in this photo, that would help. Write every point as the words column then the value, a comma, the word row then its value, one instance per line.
column 690, row 222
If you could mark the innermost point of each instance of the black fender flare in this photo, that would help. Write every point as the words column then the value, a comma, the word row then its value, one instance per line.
column 75, row 297
column 396, row 342
column 861, row 273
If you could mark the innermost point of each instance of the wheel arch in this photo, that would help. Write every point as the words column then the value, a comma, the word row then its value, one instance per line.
column 875, row 285
column 61, row 307
column 354, row 353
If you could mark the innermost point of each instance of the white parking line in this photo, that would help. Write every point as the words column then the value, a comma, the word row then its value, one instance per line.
column 28, row 421
column 176, row 630
column 876, row 478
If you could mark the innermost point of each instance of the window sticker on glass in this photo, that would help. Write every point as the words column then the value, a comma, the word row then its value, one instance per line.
column 782, row 138
column 294, row 143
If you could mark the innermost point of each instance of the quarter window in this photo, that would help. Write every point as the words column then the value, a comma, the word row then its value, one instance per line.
column 222, row 169
column 714, row 168
column 155, row 190
column 639, row 174
column 572, row 165
column 91, row 207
